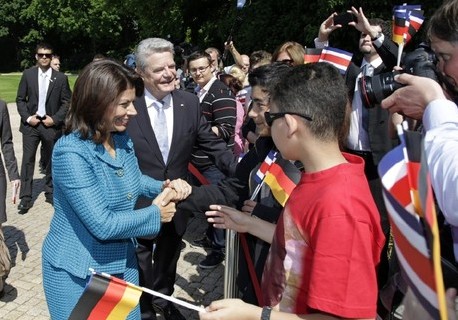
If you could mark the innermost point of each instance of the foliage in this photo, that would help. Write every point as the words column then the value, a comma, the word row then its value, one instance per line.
column 79, row 29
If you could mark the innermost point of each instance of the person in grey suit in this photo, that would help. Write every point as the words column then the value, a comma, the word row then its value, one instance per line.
column 6, row 138
column 42, row 102
column 169, row 123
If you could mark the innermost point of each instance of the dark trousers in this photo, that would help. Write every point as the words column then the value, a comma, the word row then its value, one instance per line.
column 216, row 236
column 160, row 275
column 30, row 142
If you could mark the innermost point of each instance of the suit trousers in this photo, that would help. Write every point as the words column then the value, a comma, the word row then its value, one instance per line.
column 164, row 251
column 30, row 142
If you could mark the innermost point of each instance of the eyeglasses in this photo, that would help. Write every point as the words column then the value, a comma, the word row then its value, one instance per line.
column 44, row 55
column 200, row 69
column 289, row 62
column 271, row 117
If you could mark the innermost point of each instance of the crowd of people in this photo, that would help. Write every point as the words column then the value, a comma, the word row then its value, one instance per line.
column 135, row 151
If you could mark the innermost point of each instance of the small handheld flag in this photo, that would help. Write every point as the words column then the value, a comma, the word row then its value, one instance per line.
column 338, row 58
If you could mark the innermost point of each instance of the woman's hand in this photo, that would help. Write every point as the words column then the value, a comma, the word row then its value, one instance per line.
column 15, row 185
column 166, row 207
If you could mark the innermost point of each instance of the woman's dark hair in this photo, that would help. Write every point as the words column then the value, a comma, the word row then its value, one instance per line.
column 232, row 82
column 96, row 91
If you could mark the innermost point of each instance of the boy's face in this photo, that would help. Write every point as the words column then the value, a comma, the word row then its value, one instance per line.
column 278, row 132
column 260, row 104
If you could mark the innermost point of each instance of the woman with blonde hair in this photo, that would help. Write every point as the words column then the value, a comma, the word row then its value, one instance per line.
column 290, row 52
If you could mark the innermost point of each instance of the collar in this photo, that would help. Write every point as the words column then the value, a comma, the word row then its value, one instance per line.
column 209, row 84
column 48, row 73
column 375, row 63
column 149, row 99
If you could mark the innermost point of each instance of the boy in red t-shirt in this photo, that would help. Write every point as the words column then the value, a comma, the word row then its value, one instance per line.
column 327, row 243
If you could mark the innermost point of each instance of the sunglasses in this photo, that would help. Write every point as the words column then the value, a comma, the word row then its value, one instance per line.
column 271, row 117
column 44, row 55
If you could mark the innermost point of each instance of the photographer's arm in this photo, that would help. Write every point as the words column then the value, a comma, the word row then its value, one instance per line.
column 326, row 28
column 235, row 54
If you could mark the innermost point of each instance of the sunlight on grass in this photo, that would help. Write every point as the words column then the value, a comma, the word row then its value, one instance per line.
column 9, row 83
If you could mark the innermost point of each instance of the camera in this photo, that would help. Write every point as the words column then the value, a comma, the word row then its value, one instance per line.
column 420, row 62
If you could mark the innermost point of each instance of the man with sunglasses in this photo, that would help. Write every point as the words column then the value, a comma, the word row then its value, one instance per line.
column 42, row 101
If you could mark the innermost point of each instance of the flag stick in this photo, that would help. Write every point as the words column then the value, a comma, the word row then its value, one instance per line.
column 400, row 49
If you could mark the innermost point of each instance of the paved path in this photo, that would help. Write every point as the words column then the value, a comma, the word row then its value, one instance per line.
column 24, row 297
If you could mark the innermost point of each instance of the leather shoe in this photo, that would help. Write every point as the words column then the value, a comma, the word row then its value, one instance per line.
column 24, row 206
column 213, row 259
column 170, row 312
column 203, row 243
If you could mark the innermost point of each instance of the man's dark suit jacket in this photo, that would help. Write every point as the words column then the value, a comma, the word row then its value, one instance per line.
column 189, row 128
column 379, row 119
column 57, row 98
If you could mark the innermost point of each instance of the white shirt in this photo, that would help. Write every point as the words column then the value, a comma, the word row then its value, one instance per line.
column 205, row 89
column 43, row 84
column 358, row 137
column 168, row 111
column 440, row 121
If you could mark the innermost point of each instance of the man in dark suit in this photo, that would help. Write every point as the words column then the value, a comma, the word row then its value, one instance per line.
column 370, row 126
column 169, row 123
column 42, row 102
column 220, row 109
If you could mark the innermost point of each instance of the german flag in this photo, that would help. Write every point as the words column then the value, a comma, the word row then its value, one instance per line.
column 400, row 27
column 279, row 183
column 312, row 55
column 106, row 297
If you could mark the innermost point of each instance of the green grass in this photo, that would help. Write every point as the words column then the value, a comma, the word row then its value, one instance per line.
column 9, row 83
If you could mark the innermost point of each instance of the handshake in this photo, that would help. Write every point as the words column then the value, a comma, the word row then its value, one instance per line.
column 172, row 192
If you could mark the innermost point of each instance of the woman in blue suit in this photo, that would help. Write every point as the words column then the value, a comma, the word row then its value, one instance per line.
column 96, row 184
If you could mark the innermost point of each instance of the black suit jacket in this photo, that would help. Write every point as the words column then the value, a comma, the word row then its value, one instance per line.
column 189, row 128
column 57, row 98
column 379, row 119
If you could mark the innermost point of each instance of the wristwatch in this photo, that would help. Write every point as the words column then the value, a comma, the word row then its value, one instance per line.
column 265, row 315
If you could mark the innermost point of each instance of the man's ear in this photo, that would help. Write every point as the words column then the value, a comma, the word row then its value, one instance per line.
column 291, row 124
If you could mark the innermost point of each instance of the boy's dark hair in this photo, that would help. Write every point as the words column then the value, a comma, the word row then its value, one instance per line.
column 198, row 55
column 44, row 45
column 268, row 76
column 318, row 91
column 444, row 22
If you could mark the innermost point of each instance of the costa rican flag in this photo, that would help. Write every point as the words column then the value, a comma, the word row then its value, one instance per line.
column 413, row 222
column 265, row 166
column 338, row 58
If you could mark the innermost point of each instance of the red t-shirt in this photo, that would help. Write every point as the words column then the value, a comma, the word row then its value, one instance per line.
column 326, row 246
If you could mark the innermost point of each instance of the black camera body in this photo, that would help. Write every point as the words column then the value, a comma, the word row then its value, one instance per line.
column 420, row 62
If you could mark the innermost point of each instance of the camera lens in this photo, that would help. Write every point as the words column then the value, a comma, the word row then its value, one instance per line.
column 375, row 89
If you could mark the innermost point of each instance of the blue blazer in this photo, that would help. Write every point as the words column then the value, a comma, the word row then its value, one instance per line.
column 94, row 196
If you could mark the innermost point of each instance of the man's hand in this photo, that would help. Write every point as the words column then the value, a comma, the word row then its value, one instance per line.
column 326, row 27
column 248, row 207
column 48, row 121
column 412, row 99
column 33, row 121
column 362, row 24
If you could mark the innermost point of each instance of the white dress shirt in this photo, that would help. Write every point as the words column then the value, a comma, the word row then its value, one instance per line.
column 440, row 121
column 43, row 84
column 168, row 111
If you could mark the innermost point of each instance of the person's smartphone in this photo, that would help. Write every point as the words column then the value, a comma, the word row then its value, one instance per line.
column 344, row 18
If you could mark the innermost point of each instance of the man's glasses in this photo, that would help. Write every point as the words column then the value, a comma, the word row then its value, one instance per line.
column 200, row 69
column 271, row 117
column 44, row 55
